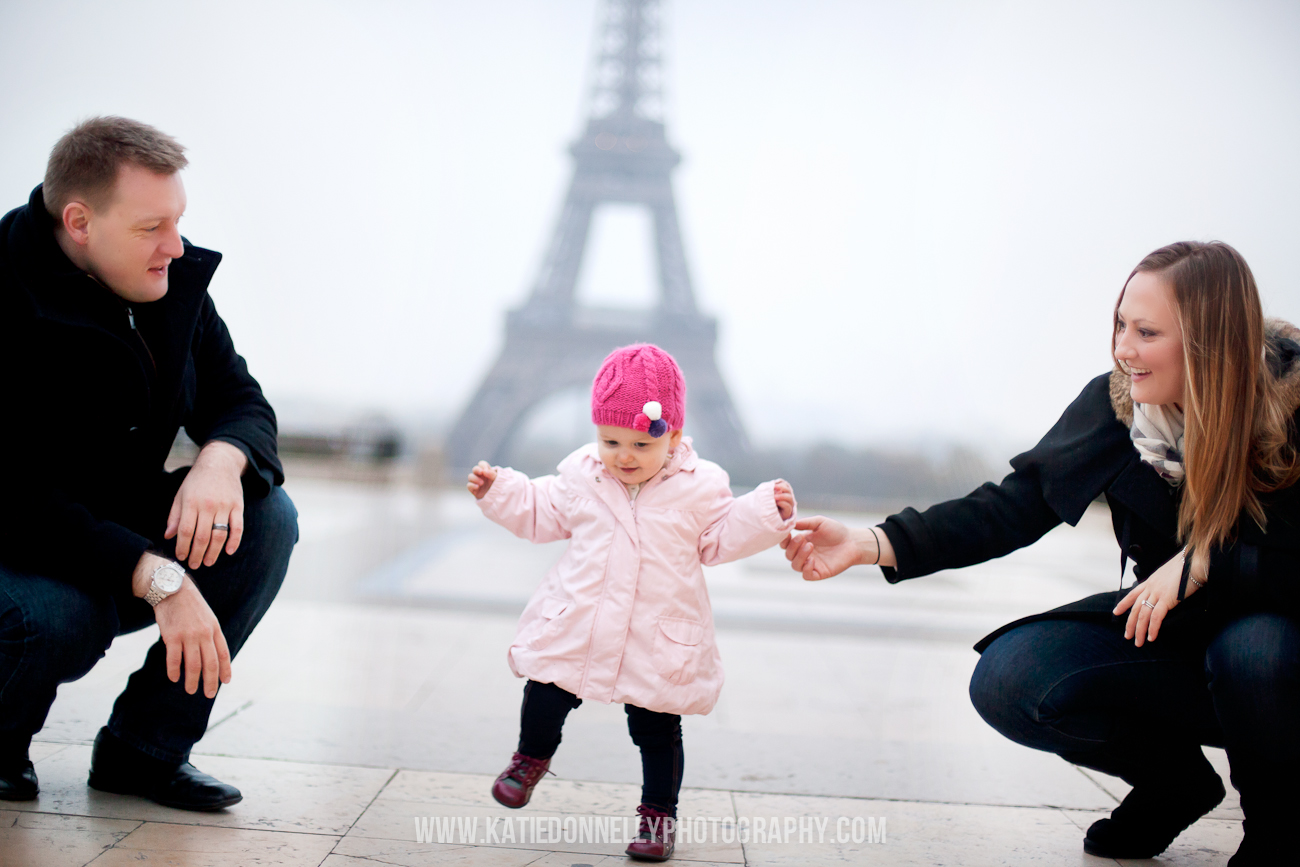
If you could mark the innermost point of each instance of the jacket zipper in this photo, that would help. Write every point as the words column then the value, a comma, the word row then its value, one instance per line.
column 130, row 317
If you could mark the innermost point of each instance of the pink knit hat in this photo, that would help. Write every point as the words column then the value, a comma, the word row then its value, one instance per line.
column 639, row 387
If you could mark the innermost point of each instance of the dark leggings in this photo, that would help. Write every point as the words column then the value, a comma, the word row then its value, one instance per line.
column 658, row 735
column 1142, row 713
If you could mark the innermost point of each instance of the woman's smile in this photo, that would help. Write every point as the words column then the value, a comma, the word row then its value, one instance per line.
column 1149, row 340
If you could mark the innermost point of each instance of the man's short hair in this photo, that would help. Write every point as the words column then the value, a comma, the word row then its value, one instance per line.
column 85, row 162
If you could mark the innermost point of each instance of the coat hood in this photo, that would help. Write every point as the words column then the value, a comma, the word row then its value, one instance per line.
column 1281, row 353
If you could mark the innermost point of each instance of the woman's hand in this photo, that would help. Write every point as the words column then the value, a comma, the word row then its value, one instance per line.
column 829, row 547
column 480, row 479
column 1150, row 600
column 784, row 499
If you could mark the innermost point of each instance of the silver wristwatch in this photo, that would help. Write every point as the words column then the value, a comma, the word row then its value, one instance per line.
column 167, row 579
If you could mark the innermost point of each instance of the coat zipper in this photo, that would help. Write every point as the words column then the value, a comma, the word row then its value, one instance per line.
column 130, row 317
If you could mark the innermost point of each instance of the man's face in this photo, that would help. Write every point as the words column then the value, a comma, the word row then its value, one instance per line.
column 130, row 242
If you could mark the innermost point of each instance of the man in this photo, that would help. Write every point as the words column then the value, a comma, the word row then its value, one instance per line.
column 109, row 343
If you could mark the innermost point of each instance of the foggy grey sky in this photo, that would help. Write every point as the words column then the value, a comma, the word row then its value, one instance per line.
column 912, row 218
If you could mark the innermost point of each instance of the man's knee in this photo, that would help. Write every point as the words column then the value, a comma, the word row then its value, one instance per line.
column 270, row 532
column 271, row 521
column 249, row 580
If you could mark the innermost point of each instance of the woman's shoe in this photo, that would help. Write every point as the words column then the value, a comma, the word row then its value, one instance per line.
column 1149, row 819
column 514, row 787
column 1254, row 852
column 656, row 836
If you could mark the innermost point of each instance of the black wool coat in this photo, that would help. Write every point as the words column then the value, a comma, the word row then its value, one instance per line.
column 1086, row 455
column 93, row 391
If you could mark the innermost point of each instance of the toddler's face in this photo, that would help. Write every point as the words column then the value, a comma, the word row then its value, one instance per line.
column 633, row 456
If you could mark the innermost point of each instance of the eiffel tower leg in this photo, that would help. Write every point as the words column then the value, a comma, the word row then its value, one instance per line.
column 560, row 271
column 539, row 359
column 674, row 279
column 711, row 417
column 520, row 378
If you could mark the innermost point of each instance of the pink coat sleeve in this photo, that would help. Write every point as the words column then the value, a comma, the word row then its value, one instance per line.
column 532, row 509
column 742, row 526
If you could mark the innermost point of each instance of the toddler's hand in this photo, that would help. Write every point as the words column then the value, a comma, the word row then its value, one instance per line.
column 480, row 479
column 784, row 499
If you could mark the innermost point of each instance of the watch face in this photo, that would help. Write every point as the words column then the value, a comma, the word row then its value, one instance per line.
column 168, row 578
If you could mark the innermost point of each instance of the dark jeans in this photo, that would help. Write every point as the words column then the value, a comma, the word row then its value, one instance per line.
column 1142, row 713
column 52, row 633
column 658, row 735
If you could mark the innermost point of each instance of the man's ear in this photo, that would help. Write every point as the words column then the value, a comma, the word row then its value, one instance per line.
column 76, row 222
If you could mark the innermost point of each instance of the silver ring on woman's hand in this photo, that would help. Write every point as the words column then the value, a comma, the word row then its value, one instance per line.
column 225, row 527
column 1148, row 604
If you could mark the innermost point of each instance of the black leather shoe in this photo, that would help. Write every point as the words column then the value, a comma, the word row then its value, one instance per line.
column 123, row 770
column 1147, row 821
column 18, row 781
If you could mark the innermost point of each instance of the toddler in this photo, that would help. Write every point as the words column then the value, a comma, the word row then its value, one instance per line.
column 624, row 616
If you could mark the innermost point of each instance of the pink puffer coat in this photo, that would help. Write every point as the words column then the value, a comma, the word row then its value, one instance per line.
column 625, row 615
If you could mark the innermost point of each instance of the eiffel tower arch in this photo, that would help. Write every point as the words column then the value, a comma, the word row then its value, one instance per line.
column 554, row 343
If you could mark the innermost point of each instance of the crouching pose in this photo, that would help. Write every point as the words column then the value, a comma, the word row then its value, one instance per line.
column 1193, row 440
column 625, row 616
column 109, row 343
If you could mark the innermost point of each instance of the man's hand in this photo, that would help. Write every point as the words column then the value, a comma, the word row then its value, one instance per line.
column 480, row 479
column 784, row 499
column 211, row 494
column 190, row 631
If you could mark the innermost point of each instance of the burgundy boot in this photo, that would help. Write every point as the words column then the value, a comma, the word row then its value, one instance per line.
column 655, row 838
column 515, row 785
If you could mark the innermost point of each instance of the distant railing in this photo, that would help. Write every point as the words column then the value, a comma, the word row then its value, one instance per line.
column 361, row 445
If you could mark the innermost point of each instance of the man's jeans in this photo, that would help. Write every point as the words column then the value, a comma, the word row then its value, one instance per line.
column 1142, row 713
column 53, row 633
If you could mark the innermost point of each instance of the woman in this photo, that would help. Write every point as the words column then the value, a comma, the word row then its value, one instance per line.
column 1192, row 440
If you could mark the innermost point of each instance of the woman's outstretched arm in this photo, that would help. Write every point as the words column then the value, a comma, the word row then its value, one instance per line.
column 1052, row 482
column 825, row 547
column 991, row 521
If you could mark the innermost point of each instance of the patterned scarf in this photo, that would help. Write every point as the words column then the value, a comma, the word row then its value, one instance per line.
column 1157, row 433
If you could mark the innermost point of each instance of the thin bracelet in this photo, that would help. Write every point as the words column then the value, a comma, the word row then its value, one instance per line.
column 1187, row 576
column 877, row 538
column 1190, row 576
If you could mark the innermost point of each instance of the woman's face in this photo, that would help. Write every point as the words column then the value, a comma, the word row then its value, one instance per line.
column 1149, row 341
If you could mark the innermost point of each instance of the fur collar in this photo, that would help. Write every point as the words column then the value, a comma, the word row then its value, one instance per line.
column 1282, row 351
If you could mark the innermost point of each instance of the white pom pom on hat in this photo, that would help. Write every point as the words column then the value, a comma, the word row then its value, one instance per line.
column 653, row 410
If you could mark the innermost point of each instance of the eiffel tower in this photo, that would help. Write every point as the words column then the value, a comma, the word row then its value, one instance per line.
column 553, row 343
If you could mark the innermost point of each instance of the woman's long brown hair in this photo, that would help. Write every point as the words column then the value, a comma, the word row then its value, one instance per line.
column 1238, row 433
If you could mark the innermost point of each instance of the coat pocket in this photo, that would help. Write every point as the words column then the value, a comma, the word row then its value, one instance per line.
column 550, row 621
column 677, row 649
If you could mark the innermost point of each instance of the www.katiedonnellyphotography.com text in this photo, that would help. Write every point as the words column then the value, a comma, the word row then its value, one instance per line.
column 499, row 830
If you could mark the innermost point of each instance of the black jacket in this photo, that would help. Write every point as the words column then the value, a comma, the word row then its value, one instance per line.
column 93, row 393
column 1088, row 454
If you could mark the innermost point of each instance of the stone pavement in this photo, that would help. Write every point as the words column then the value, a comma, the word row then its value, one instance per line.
column 371, row 710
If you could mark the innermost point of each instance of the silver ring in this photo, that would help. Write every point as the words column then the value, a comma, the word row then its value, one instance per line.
column 1148, row 605
column 225, row 527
